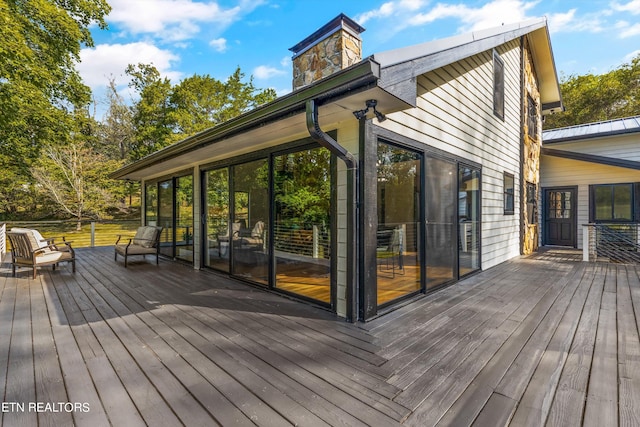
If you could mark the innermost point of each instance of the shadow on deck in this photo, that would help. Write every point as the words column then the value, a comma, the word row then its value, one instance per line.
column 539, row 339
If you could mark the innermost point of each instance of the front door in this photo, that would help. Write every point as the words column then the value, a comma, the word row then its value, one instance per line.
column 560, row 227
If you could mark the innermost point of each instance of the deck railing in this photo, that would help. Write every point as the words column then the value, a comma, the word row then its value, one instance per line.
column 3, row 240
column 93, row 233
column 616, row 242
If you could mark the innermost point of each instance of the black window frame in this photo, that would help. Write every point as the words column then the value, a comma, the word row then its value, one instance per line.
column 635, row 202
column 507, row 195
column 498, row 86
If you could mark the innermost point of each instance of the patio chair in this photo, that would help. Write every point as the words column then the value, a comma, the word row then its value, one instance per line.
column 26, row 251
column 39, row 241
column 145, row 242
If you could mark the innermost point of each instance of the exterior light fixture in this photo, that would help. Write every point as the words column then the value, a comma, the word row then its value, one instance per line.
column 362, row 114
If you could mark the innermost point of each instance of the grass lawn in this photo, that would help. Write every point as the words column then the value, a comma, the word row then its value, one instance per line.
column 106, row 233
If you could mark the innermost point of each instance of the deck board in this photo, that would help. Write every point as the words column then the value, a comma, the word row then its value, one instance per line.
column 544, row 339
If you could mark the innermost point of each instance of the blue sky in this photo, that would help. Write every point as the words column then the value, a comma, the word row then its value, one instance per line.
column 186, row 37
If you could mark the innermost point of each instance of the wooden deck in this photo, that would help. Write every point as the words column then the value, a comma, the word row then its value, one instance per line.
column 538, row 340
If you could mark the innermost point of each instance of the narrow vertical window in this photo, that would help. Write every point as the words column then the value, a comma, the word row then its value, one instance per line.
column 498, row 86
column 532, row 118
column 508, row 185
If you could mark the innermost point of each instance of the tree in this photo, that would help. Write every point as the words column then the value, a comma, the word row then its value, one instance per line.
column 592, row 98
column 116, row 129
column 153, row 130
column 74, row 177
column 200, row 102
column 39, row 48
column 39, row 85
column 165, row 114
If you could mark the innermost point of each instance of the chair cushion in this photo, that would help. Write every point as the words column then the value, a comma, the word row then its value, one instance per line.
column 145, row 236
column 134, row 250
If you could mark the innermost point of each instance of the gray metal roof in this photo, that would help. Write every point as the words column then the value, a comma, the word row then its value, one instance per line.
column 592, row 130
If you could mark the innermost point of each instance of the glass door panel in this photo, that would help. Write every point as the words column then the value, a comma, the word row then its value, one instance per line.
column 184, row 218
column 441, row 215
column 468, row 220
column 218, row 237
column 399, row 231
column 302, row 185
column 165, row 217
column 250, row 221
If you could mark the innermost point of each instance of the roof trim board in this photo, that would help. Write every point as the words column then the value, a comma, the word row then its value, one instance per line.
column 591, row 158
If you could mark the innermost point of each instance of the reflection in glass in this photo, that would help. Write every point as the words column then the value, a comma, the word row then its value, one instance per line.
column 398, row 235
column 217, row 210
column 250, row 220
column 151, row 204
column 165, row 217
column 302, row 197
column 184, row 218
column 468, row 219
column 441, row 214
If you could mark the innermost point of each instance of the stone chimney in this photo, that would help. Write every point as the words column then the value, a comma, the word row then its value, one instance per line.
column 335, row 46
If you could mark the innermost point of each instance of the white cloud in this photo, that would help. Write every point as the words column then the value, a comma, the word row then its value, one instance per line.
column 632, row 7
column 285, row 62
column 630, row 56
column 569, row 22
column 410, row 13
column 174, row 20
column 219, row 45
column 629, row 31
column 97, row 64
column 263, row 72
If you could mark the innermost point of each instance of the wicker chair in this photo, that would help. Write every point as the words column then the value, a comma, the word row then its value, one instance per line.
column 145, row 242
column 26, row 251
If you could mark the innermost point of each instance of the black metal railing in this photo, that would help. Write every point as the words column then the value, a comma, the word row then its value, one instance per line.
column 617, row 242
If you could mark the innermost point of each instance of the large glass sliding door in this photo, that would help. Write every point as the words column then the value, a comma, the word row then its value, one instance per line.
column 151, row 204
column 184, row 218
column 468, row 219
column 441, row 215
column 218, row 237
column 399, row 175
column 250, row 219
column 302, row 199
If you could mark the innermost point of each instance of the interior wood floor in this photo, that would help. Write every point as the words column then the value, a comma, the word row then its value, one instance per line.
column 539, row 340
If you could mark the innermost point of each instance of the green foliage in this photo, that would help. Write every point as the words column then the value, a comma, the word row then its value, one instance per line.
column 153, row 129
column 594, row 98
column 39, row 87
column 165, row 113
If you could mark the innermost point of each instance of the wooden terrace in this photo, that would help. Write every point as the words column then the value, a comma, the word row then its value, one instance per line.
column 538, row 340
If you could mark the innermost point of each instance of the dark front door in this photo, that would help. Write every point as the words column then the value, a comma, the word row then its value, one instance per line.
column 560, row 227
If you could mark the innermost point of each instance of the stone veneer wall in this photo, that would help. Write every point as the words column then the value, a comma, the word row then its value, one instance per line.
column 531, row 158
column 336, row 52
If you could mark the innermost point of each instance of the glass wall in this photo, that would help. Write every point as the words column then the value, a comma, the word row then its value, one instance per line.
column 441, row 221
column 184, row 218
column 468, row 220
column 217, row 239
column 165, row 217
column 398, row 234
column 302, row 244
column 250, row 221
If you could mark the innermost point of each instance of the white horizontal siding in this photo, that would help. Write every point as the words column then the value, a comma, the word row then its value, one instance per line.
column 454, row 114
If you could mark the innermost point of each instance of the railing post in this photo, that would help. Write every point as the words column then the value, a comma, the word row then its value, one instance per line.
column 93, row 234
column 3, row 241
column 586, row 242
column 316, row 235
